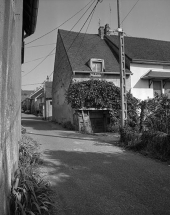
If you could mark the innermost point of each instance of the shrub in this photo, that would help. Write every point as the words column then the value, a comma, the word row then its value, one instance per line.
column 157, row 144
column 130, row 137
column 101, row 94
column 157, row 114
column 29, row 193
column 68, row 125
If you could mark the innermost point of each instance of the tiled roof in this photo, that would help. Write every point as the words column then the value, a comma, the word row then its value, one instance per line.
column 36, row 93
column 144, row 49
column 85, row 47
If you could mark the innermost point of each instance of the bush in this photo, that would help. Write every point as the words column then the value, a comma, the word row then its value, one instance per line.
column 68, row 125
column 130, row 137
column 157, row 114
column 101, row 94
column 29, row 193
column 157, row 144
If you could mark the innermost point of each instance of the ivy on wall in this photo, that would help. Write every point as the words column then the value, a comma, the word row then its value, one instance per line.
column 101, row 94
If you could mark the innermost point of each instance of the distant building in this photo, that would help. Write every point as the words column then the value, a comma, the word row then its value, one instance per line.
column 40, row 101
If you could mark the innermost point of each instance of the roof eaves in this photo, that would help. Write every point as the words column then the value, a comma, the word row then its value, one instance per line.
column 144, row 61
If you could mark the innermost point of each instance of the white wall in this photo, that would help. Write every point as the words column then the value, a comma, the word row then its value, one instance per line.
column 115, row 79
column 140, row 88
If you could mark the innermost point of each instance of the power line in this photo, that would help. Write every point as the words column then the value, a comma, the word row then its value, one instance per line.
column 40, row 45
column 59, row 25
column 92, row 12
column 36, row 59
column 31, row 84
column 78, row 32
column 129, row 12
column 40, row 62
column 85, row 33
column 64, row 37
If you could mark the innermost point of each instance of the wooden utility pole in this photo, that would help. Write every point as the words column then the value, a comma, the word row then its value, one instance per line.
column 122, row 71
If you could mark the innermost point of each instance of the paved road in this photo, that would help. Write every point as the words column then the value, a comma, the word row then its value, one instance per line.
column 92, row 177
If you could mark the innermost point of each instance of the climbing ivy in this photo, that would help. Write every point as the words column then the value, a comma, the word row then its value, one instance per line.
column 101, row 94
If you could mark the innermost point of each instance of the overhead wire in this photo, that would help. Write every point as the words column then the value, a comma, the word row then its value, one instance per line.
column 36, row 59
column 78, row 33
column 55, row 47
column 59, row 25
column 92, row 12
column 129, row 12
column 32, row 84
column 40, row 45
column 84, row 34
column 39, row 63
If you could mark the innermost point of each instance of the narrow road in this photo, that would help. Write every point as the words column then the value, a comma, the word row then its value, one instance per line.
column 92, row 177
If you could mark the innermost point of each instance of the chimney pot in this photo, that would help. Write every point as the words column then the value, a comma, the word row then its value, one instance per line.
column 107, row 30
column 101, row 32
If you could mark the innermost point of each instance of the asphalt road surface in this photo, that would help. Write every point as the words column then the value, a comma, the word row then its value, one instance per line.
column 90, row 176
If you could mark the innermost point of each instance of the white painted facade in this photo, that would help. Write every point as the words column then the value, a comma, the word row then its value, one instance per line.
column 140, row 88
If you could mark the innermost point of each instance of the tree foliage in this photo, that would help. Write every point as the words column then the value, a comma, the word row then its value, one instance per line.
column 101, row 94
column 157, row 113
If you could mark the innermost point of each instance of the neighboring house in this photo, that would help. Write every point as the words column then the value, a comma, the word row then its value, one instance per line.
column 25, row 100
column 88, row 58
column 149, row 62
column 47, row 113
column 82, row 57
column 36, row 101
column 17, row 21
column 41, row 101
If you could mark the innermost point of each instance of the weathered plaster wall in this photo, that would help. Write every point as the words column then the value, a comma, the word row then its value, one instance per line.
column 49, row 109
column 140, row 88
column 10, row 94
column 61, row 111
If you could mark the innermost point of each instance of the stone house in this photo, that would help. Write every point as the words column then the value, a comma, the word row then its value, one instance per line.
column 82, row 57
column 41, row 101
column 89, row 57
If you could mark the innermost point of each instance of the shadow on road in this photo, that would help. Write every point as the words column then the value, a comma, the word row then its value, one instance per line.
column 103, row 183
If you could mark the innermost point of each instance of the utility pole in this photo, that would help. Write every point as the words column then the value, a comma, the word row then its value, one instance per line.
column 122, row 71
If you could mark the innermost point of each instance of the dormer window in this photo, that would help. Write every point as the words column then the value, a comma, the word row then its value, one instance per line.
column 96, row 65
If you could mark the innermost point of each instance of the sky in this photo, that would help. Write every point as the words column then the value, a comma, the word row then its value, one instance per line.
column 148, row 19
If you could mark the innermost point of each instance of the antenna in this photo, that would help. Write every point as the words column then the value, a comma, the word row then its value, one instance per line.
column 110, row 10
column 99, row 23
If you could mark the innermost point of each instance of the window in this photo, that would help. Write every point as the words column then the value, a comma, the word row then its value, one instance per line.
column 97, row 66
column 167, row 89
column 157, row 87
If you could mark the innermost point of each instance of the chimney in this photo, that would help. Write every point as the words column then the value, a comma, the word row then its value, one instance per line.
column 107, row 30
column 101, row 32
column 47, row 78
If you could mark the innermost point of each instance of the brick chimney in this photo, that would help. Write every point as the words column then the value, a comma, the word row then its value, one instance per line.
column 101, row 32
column 106, row 30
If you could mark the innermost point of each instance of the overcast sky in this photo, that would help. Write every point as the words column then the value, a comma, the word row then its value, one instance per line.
column 149, row 19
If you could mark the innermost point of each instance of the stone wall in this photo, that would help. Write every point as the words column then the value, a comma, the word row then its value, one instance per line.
column 10, row 94
column 61, row 111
